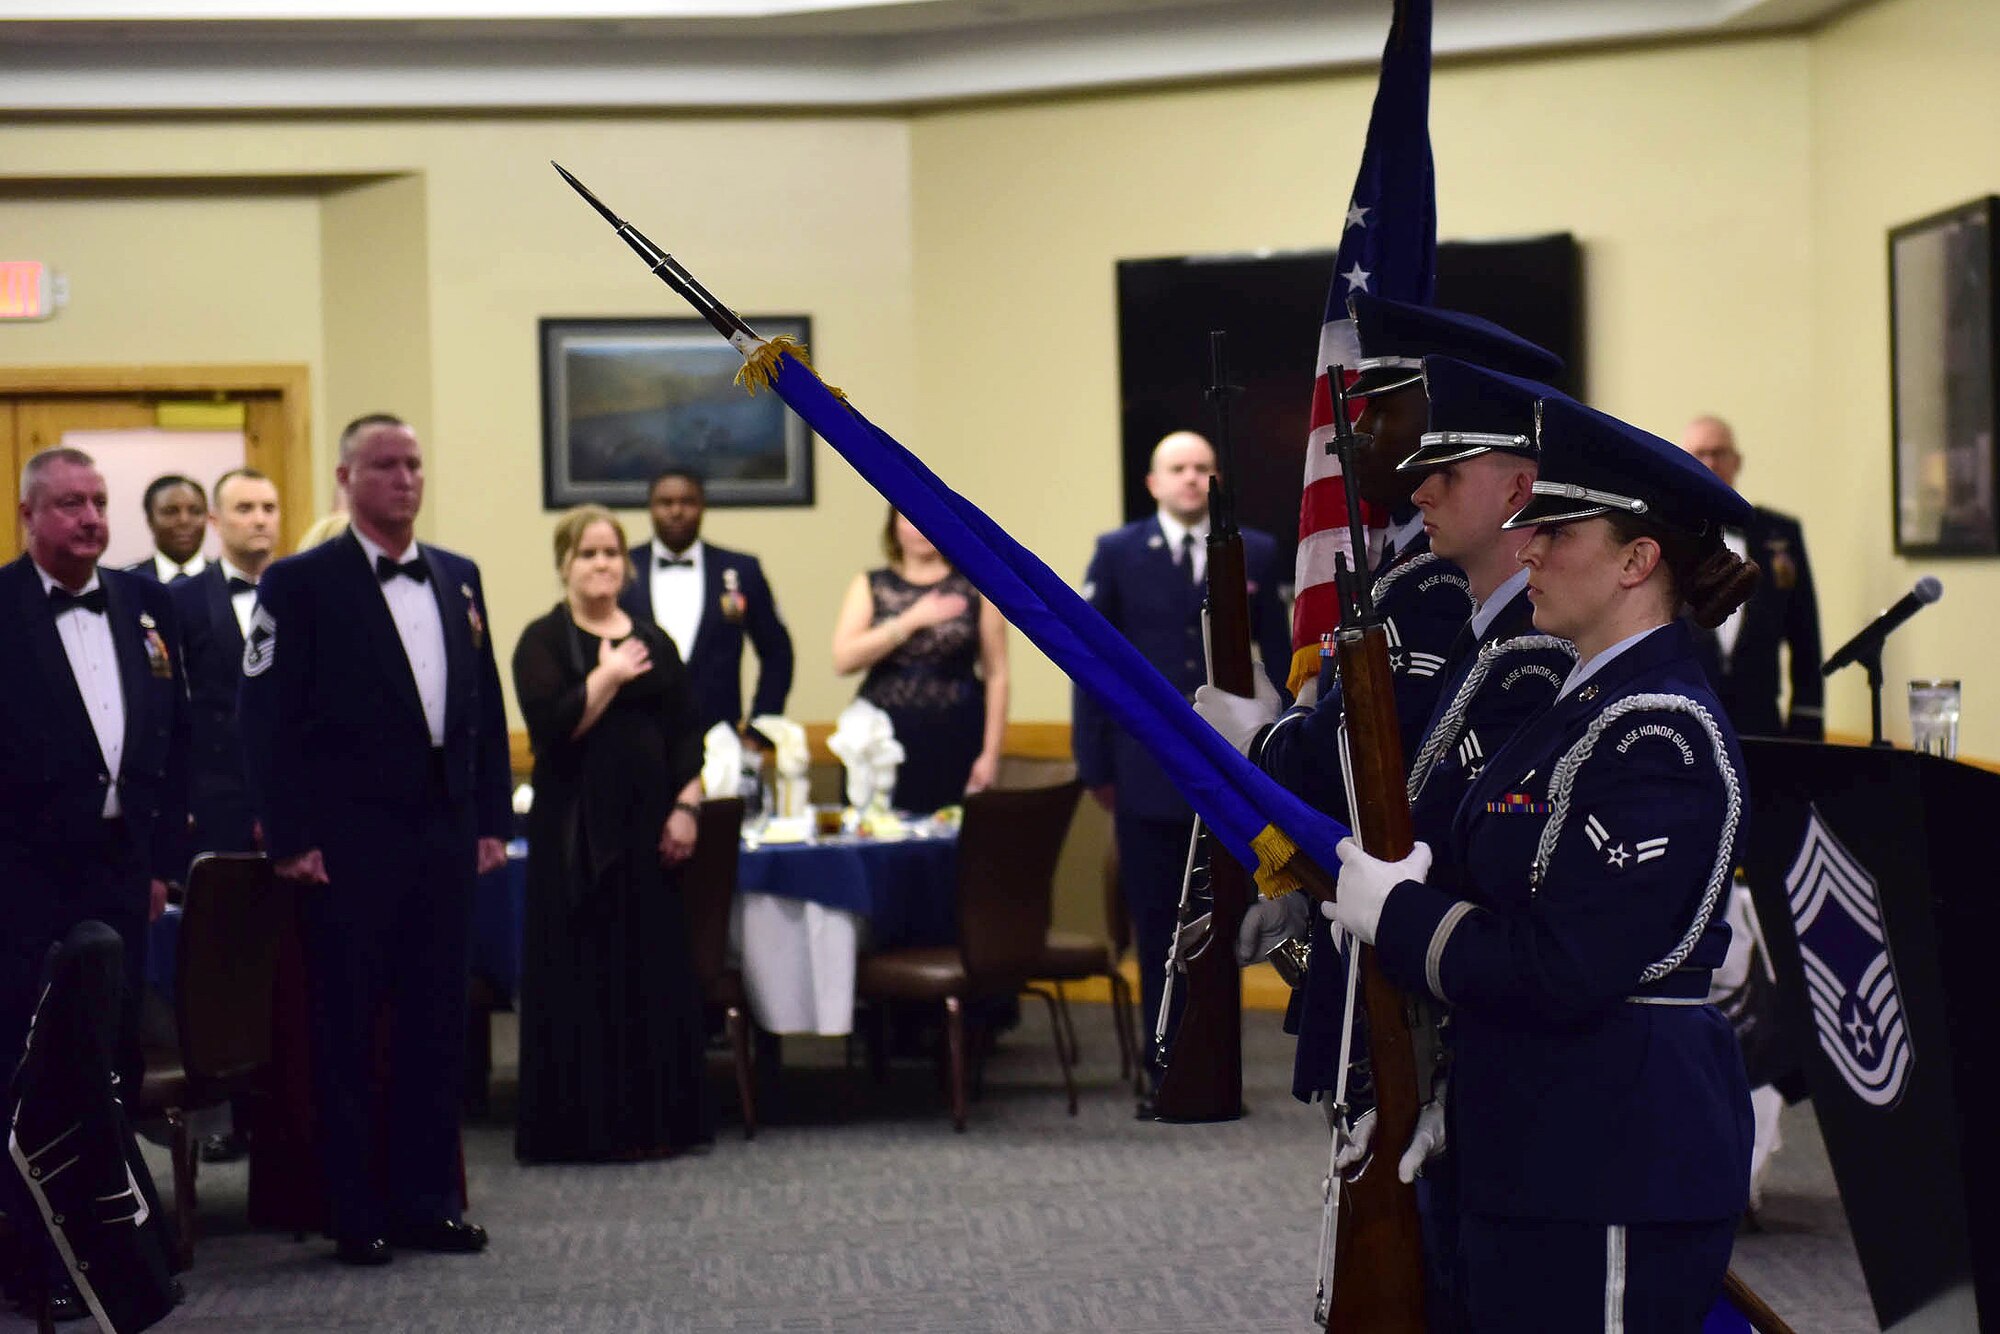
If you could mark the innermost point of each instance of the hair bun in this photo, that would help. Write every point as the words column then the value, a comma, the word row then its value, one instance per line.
column 1721, row 584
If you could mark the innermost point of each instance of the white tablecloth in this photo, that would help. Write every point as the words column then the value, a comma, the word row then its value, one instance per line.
column 798, row 963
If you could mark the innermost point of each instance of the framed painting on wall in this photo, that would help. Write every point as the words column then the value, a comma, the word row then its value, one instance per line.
column 1944, row 354
column 623, row 399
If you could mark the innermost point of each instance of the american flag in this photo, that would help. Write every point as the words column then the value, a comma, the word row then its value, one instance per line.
column 1388, row 248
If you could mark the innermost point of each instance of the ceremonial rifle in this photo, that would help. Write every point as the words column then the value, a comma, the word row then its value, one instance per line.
column 1204, row 1075
column 1378, row 1270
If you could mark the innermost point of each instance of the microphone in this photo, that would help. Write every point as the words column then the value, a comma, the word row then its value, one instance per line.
column 1869, row 641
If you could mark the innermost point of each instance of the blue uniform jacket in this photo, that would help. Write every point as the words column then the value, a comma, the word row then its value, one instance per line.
column 52, row 773
column 1489, row 688
column 715, row 664
column 218, row 791
column 1572, row 930
column 1782, row 611
column 1425, row 602
column 332, row 726
column 1135, row 583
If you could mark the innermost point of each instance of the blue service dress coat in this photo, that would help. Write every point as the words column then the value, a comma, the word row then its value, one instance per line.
column 1425, row 602
column 1783, row 611
column 737, row 603
column 1574, row 916
column 61, row 862
column 1135, row 583
column 218, row 789
column 1490, row 686
column 340, row 759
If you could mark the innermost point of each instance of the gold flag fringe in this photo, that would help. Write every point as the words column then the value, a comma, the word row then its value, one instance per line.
column 1275, row 850
column 760, row 364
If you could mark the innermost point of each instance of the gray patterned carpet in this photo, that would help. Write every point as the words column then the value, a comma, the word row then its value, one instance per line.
column 857, row 1208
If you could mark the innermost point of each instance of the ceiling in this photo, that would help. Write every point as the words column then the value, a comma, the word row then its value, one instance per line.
column 376, row 55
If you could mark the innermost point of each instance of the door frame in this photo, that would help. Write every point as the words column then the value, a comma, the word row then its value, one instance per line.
column 276, row 427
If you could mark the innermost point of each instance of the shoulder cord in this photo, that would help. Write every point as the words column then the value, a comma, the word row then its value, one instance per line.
column 1563, row 778
column 1446, row 733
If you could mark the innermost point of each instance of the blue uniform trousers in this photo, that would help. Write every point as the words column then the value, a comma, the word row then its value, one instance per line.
column 1543, row 1276
column 388, row 945
column 1152, row 855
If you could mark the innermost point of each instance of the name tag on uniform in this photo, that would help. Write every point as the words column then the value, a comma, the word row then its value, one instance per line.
column 1518, row 803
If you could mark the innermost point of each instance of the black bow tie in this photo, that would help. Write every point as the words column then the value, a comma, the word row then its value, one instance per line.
column 61, row 599
column 240, row 586
column 413, row 568
column 670, row 562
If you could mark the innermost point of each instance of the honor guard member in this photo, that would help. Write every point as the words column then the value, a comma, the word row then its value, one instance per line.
column 1741, row 654
column 1423, row 599
column 708, row 599
column 377, row 742
column 177, row 514
column 1598, row 1110
column 93, row 755
column 1149, row 579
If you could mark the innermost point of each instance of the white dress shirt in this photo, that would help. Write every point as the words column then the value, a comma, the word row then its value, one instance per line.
column 678, row 594
column 93, row 661
column 414, row 608
column 167, row 570
column 241, row 602
column 1583, row 671
column 1726, row 633
column 1178, row 534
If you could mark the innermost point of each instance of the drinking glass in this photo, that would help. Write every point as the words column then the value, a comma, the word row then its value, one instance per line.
column 1934, row 717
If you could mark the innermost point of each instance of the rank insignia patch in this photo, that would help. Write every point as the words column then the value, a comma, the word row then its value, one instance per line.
column 1850, row 978
column 260, row 646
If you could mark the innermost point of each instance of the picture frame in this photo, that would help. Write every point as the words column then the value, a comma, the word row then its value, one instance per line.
column 623, row 399
column 1944, row 355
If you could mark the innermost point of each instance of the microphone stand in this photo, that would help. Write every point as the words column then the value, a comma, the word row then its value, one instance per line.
column 1871, row 662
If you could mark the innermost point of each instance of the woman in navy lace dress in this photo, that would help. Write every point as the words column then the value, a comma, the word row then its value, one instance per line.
column 935, row 653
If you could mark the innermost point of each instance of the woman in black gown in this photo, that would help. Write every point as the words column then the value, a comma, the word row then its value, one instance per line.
column 611, row 1013
column 936, row 657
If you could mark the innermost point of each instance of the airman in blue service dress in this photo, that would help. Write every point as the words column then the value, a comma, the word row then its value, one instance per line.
column 343, row 758
column 1135, row 580
column 1597, row 1110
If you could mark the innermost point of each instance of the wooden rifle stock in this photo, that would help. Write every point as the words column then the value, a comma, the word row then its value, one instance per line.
column 1378, row 1284
column 1204, row 1074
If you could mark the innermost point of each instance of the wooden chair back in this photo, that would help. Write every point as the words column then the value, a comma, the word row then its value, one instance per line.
column 1007, row 852
column 708, row 886
column 231, row 919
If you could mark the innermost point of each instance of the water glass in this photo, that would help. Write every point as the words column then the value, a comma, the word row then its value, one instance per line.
column 1934, row 718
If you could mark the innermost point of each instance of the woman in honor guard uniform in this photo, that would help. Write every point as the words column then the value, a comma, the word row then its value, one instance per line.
column 1598, row 1109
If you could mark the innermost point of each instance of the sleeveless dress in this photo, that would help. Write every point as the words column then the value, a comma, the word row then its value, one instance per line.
column 931, row 689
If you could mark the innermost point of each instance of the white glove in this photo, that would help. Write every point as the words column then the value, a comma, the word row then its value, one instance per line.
column 1426, row 1141
column 1239, row 719
column 1269, row 923
column 1354, row 1145
column 1365, row 883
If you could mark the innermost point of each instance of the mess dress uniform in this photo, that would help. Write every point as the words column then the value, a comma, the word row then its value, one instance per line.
column 1598, row 1109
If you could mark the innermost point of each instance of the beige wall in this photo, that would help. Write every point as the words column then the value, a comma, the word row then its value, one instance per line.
column 1904, row 101
column 1731, row 198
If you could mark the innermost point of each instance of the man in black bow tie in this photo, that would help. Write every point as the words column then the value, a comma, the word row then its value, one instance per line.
column 93, row 755
column 377, row 747
column 707, row 599
column 214, row 608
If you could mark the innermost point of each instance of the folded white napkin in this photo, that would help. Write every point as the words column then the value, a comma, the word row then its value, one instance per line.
column 721, row 761
column 791, row 759
column 862, row 737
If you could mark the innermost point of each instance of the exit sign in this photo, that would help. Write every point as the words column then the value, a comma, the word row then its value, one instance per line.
column 28, row 291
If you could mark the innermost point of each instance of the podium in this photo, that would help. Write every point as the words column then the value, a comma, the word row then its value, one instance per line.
column 1874, row 874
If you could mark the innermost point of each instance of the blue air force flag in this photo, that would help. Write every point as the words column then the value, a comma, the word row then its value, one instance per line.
column 1850, row 978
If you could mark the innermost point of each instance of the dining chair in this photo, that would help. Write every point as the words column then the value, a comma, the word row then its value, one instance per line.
column 1008, row 845
column 708, row 887
column 1078, row 956
column 227, row 954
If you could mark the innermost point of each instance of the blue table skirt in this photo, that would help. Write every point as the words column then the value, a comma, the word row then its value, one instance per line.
column 904, row 890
